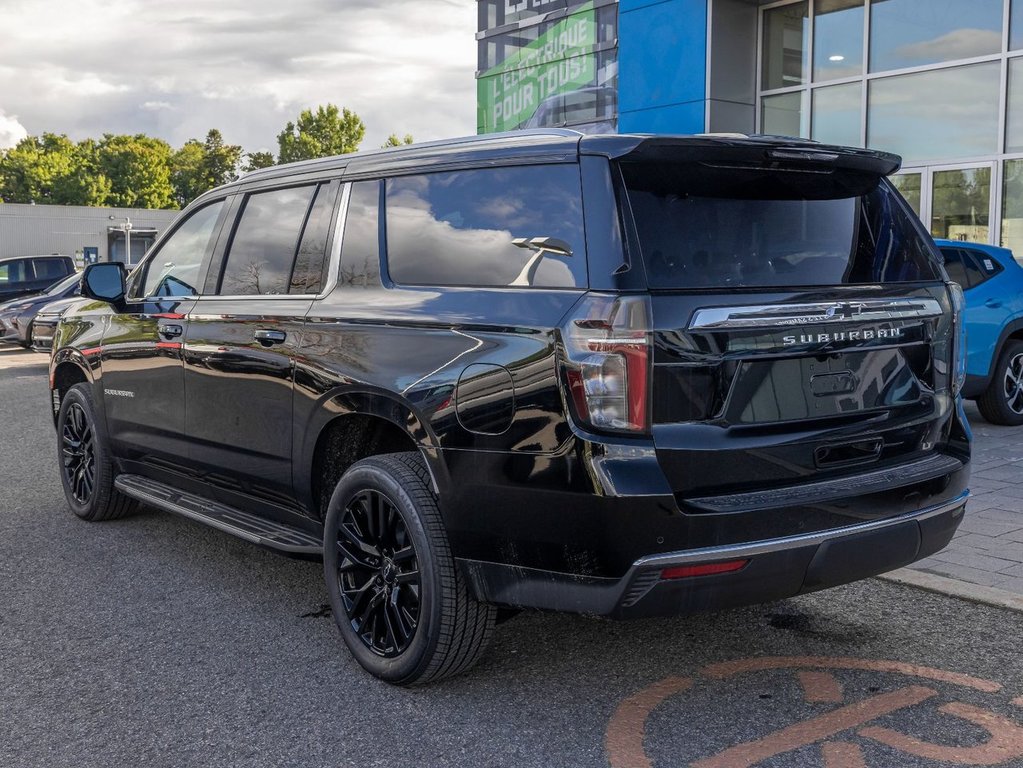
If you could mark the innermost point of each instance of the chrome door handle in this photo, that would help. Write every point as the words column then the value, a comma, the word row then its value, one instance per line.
column 267, row 337
column 171, row 331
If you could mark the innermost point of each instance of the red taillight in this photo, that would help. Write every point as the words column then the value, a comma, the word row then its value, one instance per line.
column 705, row 569
column 607, row 345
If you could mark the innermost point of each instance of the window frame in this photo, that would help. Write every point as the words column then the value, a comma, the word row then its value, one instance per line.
column 137, row 278
column 221, row 252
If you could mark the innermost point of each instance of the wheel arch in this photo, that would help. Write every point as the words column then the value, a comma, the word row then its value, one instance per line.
column 68, row 368
column 351, row 425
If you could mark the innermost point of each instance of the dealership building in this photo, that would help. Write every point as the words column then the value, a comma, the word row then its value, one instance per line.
column 939, row 82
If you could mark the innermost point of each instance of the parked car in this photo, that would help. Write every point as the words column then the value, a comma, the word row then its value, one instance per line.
column 620, row 375
column 993, row 284
column 24, row 275
column 45, row 323
column 594, row 105
column 17, row 315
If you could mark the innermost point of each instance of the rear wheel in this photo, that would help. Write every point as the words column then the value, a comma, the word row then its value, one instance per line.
column 400, row 602
column 86, row 470
column 1002, row 401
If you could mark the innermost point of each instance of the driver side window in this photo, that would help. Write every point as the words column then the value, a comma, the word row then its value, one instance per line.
column 174, row 269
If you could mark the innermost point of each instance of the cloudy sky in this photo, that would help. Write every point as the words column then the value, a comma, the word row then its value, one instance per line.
column 176, row 69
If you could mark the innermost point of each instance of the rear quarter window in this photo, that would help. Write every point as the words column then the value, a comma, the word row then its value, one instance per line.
column 457, row 228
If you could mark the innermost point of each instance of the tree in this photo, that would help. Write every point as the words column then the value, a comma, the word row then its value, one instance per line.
column 186, row 172
column 256, row 160
column 328, row 131
column 33, row 168
column 86, row 184
column 198, row 167
column 394, row 141
column 139, row 169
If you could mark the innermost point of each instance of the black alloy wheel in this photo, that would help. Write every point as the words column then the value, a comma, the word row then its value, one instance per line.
column 400, row 601
column 86, row 467
column 78, row 452
column 378, row 574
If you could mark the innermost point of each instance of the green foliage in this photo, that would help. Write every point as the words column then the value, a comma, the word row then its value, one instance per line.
column 256, row 160
column 394, row 141
column 328, row 131
column 201, row 166
column 139, row 171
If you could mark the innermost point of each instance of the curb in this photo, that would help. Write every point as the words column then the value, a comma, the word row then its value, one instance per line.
column 975, row 593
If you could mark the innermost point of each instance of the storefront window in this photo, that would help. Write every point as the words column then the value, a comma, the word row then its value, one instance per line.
column 1012, row 207
column 942, row 114
column 837, row 114
column 786, row 46
column 837, row 39
column 912, row 33
column 1014, row 108
column 785, row 114
column 961, row 204
column 910, row 187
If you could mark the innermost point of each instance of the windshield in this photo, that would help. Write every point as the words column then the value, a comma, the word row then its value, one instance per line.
column 62, row 285
column 708, row 227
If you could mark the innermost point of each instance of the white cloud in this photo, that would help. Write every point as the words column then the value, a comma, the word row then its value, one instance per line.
column 175, row 70
column 11, row 131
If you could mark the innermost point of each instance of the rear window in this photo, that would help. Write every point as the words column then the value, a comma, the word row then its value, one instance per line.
column 706, row 227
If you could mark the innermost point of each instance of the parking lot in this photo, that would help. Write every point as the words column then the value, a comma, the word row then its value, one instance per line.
column 154, row 641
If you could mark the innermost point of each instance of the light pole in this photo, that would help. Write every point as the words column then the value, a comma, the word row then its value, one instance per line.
column 126, row 228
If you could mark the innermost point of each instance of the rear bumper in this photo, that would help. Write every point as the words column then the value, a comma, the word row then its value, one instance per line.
column 777, row 569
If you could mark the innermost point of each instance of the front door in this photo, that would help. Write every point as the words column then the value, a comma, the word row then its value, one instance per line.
column 954, row 202
column 143, row 387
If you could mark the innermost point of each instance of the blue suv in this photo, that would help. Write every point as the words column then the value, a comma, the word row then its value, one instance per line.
column 993, row 283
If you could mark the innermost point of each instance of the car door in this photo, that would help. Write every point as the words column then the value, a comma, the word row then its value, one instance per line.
column 47, row 272
column 143, row 386
column 244, row 333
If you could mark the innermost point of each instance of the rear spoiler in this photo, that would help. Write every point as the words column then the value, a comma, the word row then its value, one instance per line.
column 738, row 151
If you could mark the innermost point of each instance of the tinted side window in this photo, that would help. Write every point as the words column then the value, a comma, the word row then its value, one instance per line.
column 13, row 272
column 955, row 267
column 310, row 272
column 457, row 228
column 50, row 269
column 987, row 267
column 266, row 242
column 360, row 250
column 174, row 269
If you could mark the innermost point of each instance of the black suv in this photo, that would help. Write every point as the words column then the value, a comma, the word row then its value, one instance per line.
column 618, row 375
column 22, row 275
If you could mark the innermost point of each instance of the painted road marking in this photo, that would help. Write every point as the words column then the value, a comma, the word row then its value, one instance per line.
column 626, row 731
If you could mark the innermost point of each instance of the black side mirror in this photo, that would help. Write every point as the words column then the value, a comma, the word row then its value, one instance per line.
column 104, row 281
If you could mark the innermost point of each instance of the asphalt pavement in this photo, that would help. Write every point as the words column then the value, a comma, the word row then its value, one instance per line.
column 152, row 641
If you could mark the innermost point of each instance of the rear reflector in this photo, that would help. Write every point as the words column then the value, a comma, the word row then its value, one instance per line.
column 707, row 569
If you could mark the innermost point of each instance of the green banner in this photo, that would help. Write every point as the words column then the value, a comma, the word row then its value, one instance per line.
column 557, row 62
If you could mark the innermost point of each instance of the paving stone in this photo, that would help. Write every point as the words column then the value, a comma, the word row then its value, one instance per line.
column 977, row 524
column 1011, row 585
column 965, row 573
column 976, row 559
column 1009, row 474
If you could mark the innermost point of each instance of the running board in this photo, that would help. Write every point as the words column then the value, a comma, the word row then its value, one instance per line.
column 244, row 525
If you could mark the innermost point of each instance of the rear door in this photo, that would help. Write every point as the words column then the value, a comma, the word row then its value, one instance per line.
column 802, row 331
column 15, row 277
column 244, row 333
column 48, row 271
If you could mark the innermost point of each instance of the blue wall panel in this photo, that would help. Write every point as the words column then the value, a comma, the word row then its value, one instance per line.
column 662, row 65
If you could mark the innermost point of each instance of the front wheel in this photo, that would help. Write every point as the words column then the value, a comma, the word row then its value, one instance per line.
column 1002, row 401
column 86, row 469
column 400, row 602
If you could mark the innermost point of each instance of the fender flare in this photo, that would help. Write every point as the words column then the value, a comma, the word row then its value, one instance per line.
column 367, row 401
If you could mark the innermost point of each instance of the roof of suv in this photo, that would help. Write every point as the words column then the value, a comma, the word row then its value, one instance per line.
column 559, row 144
column 36, row 256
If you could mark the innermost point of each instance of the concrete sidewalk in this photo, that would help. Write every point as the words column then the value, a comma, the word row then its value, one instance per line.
column 988, row 548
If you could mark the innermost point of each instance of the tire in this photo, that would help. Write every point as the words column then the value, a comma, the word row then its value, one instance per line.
column 1002, row 401
column 400, row 601
column 83, row 457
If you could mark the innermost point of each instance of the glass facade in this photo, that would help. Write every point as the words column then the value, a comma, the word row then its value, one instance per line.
column 547, row 63
column 939, row 82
